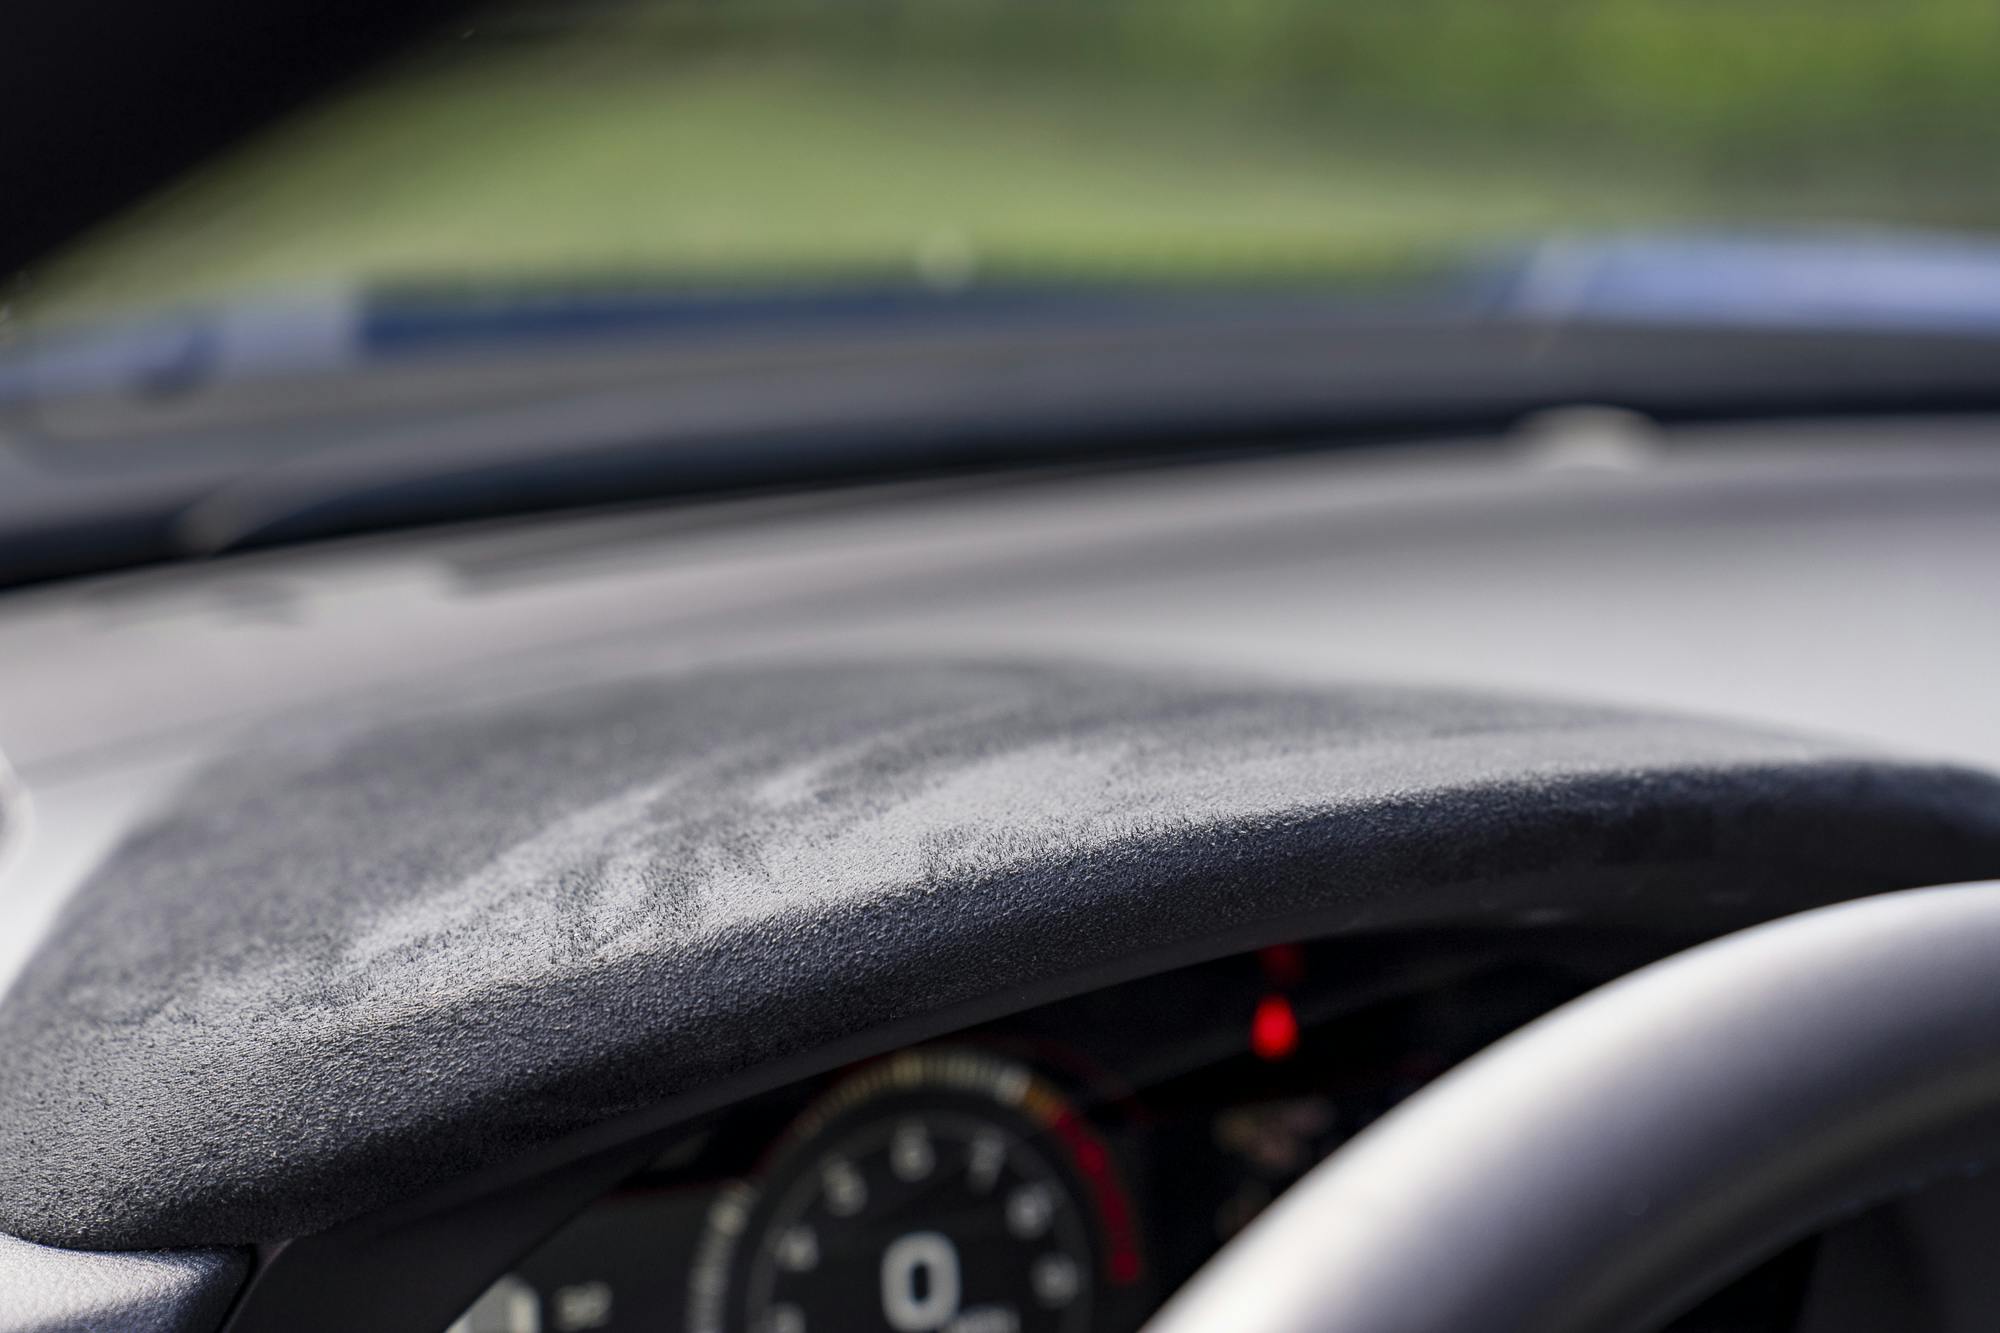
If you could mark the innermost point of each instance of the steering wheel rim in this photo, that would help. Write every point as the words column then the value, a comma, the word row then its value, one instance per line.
column 1607, row 1165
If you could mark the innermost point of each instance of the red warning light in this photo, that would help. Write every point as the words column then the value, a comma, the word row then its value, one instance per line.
column 1274, row 1029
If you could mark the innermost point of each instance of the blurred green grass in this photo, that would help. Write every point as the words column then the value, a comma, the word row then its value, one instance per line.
column 711, row 140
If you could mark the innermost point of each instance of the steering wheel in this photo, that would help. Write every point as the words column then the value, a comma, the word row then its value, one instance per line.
column 1604, row 1167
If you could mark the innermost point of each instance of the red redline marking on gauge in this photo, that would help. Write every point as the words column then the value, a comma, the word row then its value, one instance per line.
column 1114, row 1210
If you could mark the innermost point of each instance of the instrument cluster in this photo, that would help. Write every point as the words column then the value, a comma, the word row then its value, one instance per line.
column 1062, row 1171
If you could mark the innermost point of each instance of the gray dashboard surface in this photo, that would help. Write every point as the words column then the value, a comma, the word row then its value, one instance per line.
column 369, row 951
column 64, row 1291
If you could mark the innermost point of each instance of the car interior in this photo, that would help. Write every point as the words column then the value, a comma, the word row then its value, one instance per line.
column 976, row 667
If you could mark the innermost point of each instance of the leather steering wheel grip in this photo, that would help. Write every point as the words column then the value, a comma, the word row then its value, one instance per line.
column 1609, row 1164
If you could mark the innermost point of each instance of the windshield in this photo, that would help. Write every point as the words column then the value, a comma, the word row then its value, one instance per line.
column 559, row 253
column 797, row 145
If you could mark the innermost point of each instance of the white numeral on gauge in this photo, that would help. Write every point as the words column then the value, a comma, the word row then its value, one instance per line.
column 798, row 1249
column 911, row 1156
column 987, row 1158
column 1030, row 1209
column 920, row 1282
column 1055, row 1280
column 846, row 1191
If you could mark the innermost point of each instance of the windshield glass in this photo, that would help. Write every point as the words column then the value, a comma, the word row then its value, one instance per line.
column 958, row 144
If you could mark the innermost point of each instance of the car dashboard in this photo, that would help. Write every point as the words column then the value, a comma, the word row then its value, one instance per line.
column 1064, row 1169
column 1067, row 1169
column 954, row 908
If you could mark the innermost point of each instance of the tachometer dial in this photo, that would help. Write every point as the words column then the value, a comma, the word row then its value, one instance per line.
column 942, row 1191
